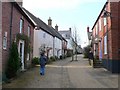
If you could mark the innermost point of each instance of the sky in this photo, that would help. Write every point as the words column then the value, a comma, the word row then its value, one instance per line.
column 75, row 14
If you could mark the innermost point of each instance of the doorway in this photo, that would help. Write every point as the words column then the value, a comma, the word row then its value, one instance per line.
column 21, row 53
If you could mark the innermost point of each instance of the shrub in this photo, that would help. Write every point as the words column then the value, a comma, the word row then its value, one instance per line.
column 69, row 54
column 86, row 51
column 52, row 58
column 14, row 63
column 35, row 60
column 56, row 58
column 61, row 57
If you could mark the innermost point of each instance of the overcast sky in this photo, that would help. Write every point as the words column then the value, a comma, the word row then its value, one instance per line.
column 68, row 13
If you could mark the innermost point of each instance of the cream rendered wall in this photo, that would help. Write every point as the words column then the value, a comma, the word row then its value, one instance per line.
column 40, row 38
column 58, row 47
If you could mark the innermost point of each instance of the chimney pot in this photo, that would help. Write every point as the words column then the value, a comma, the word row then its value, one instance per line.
column 87, row 29
column 56, row 27
column 50, row 21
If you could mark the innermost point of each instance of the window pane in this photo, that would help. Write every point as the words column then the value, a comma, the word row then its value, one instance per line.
column 4, row 43
column 21, row 25
column 105, row 21
column 28, row 31
column 105, row 45
column 100, row 24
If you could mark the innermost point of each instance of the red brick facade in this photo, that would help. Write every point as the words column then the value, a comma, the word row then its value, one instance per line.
column 110, row 58
column 16, row 15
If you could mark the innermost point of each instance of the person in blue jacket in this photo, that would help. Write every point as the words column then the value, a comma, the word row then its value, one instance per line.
column 90, row 57
column 43, row 61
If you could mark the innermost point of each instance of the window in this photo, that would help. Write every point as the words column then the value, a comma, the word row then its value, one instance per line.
column 100, row 24
column 28, row 56
column 105, row 45
column 96, row 29
column 66, row 36
column 29, row 31
column 44, row 35
column 21, row 25
column 5, row 41
column 105, row 21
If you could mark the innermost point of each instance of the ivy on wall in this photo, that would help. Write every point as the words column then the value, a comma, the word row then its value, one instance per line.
column 27, row 48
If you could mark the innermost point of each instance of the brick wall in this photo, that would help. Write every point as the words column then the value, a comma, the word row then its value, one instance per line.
column 119, row 31
column 114, row 30
column 0, row 37
column 15, row 27
column 6, row 9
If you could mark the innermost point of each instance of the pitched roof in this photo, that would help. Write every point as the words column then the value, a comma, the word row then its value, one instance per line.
column 67, row 32
column 99, row 15
column 39, row 23
column 22, row 12
column 44, row 26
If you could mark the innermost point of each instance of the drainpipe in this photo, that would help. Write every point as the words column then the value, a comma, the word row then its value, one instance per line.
column 107, row 44
column 53, row 46
column 11, row 17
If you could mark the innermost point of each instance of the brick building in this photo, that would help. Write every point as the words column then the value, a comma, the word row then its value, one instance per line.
column 15, row 22
column 106, row 36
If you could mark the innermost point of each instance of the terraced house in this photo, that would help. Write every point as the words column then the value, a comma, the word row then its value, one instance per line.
column 47, row 38
column 106, row 36
column 16, row 24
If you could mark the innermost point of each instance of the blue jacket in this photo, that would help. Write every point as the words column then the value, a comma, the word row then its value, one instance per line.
column 43, row 60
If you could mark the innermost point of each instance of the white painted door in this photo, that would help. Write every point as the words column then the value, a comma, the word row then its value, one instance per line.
column 21, row 52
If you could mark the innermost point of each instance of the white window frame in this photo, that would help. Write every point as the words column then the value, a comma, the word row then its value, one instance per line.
column 105, row 21
column 96, row 29
column 105, row 45
column 29, row 28
column 44, row 35
column 21, row 25
column 5, row 41
column 100, row 25
column 28, row 56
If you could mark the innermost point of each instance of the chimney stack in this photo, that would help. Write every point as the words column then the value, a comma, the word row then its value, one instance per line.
column 56, row 27
column 50, row 22
column 70, row 30
column 19, row 2
column 87, row 29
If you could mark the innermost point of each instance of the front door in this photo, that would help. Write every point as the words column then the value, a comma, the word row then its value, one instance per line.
column 21, row 53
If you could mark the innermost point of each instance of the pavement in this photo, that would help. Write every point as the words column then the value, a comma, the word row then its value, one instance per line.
column 66, row 74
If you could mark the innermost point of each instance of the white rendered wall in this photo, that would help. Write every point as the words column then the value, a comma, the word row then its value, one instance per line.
column 40, row 38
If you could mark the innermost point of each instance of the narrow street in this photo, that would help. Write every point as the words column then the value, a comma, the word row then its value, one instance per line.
column 66, row 74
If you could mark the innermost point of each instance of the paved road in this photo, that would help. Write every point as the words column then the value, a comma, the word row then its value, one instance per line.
column 66, row 74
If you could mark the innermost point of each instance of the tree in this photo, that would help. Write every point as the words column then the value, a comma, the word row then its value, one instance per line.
column 86, row 51
column 13, row 64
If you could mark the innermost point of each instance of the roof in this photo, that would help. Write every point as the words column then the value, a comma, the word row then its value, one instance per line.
column 39, row 23
column 99, row 15
column 44, row 26
column 67, row 32
column 22, row 12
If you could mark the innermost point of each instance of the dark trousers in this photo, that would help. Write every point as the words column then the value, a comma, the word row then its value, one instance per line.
column 42, row 70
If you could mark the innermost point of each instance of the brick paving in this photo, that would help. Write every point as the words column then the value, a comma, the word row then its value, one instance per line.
column 66, row 74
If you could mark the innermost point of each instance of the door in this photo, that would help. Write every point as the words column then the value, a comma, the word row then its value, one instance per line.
column 21, row 53
column 100, row 51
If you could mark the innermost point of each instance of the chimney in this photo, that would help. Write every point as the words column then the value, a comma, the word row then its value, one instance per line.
column 70, row 30
column 56, row 27
column 87, row 29
column 50, row 22
column 19, row 2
